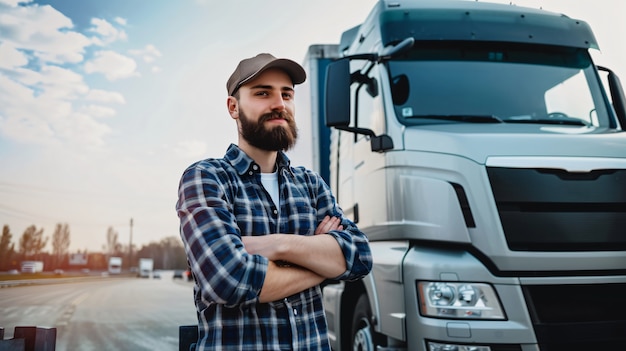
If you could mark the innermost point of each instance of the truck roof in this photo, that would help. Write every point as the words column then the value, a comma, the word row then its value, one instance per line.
column 463, row 20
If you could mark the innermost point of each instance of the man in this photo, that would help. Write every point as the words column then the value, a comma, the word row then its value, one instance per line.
column 261, row 235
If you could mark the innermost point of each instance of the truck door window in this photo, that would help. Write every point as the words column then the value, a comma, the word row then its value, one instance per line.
column 368, row 106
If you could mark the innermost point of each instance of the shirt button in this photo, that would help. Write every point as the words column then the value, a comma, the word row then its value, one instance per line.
column 295, row 312
column 275, row 211
column 255, row 167
column 250, row 173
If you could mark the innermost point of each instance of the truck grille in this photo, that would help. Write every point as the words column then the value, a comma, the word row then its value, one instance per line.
column 578, row 317
column 554, row 210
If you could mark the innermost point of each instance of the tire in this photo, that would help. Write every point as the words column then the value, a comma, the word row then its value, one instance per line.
column 362, row 332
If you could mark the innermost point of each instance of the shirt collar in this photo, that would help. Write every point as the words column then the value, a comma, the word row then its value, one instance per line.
column 244, row 164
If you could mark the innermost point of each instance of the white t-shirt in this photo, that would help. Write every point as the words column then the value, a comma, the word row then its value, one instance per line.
column 270, row 183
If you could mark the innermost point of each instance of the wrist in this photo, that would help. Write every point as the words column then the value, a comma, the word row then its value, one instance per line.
column 281, row 246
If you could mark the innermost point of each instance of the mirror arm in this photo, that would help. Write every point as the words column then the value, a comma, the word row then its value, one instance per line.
column 379, row 143
column 363, row 131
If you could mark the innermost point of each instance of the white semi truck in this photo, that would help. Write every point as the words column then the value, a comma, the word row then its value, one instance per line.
column 115, row 265
column 483, row 153
column 146, row 266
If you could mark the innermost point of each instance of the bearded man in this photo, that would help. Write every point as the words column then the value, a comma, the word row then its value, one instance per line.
column 261, row 235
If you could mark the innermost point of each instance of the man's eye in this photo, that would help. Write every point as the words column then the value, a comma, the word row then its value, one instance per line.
column 287, row 95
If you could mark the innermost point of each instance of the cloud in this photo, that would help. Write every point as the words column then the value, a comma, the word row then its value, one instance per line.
column 82, row 129
column 37, row 113
column 54, row 81
column 104, row 96
column 11, row 57
column 112, row 65
column 18, row 120
column 121, row 21
column 149, row 53
column 98, row 111
column 14, row 3
column 43, row 31
column 107, row 32
column 44, row 99
column 37, row 107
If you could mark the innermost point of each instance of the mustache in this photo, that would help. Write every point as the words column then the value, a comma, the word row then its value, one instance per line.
column 276, row 115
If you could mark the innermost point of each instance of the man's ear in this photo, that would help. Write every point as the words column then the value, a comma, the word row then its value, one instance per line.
column 233, row 107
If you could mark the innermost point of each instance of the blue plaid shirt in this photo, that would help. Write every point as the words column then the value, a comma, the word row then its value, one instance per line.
column 221, row 200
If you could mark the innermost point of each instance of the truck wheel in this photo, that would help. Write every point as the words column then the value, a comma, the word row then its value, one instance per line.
column 362, row 331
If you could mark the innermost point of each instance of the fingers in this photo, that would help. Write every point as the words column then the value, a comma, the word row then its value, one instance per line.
column 322, row 228
column 327, row 224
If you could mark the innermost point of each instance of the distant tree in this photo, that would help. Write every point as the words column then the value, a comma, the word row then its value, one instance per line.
column 167, row 253
column 152, row 250
column 32, row 242
column 7, row 248
column 60, row 243
column 112, row 246
column 174, row 253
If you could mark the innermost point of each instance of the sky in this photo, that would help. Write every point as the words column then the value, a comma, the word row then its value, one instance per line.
column 103, row 104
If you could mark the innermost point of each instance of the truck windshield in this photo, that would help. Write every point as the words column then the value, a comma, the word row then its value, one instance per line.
column 497, row 83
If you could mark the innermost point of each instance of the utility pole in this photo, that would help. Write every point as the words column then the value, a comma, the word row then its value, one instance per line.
column 130, row 245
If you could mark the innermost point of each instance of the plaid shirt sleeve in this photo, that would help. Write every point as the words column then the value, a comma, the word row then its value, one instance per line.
column 224, row 271
column 352, row 241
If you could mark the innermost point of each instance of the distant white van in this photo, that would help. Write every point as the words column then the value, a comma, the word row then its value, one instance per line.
column 32, row 266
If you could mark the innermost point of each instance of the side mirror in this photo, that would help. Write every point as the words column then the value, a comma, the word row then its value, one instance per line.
column 337, row 104
column 617, row 95
column 337, row 96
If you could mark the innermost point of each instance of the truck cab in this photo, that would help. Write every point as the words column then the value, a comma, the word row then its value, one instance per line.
column 483, row 153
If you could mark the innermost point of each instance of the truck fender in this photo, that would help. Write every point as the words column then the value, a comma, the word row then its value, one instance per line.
column 340, row 299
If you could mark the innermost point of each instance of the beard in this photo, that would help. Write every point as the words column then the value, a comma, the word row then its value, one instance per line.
column 276, row 138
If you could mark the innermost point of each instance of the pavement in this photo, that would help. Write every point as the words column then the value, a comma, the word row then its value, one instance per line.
column 44, row 281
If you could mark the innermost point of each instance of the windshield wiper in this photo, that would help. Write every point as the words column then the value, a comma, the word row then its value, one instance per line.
column 561, row 121
column 463, row 118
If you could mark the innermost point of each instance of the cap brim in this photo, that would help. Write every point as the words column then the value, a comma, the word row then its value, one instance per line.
column 292, row 68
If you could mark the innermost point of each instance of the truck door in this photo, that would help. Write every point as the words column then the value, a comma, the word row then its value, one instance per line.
column 343, row 174
column 368, row 185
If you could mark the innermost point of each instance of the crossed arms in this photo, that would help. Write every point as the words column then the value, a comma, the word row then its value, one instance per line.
column 315, row 258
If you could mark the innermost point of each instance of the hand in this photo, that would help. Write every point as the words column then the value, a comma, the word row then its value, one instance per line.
column 328, row 224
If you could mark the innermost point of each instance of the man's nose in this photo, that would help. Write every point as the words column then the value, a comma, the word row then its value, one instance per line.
column 278, row 103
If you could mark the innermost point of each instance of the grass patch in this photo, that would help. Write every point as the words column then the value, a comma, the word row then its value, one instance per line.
column 26, row 276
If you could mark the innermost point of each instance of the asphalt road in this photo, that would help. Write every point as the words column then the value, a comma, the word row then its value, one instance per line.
column 132, row 314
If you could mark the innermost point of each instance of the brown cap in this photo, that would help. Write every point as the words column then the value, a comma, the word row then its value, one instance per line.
column 250, row 68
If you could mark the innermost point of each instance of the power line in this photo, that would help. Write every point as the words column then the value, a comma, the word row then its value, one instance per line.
column 21, row 188
column 13, row 212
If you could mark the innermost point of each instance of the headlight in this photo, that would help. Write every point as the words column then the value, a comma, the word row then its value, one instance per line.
column 435, row 346
column 459, row 300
